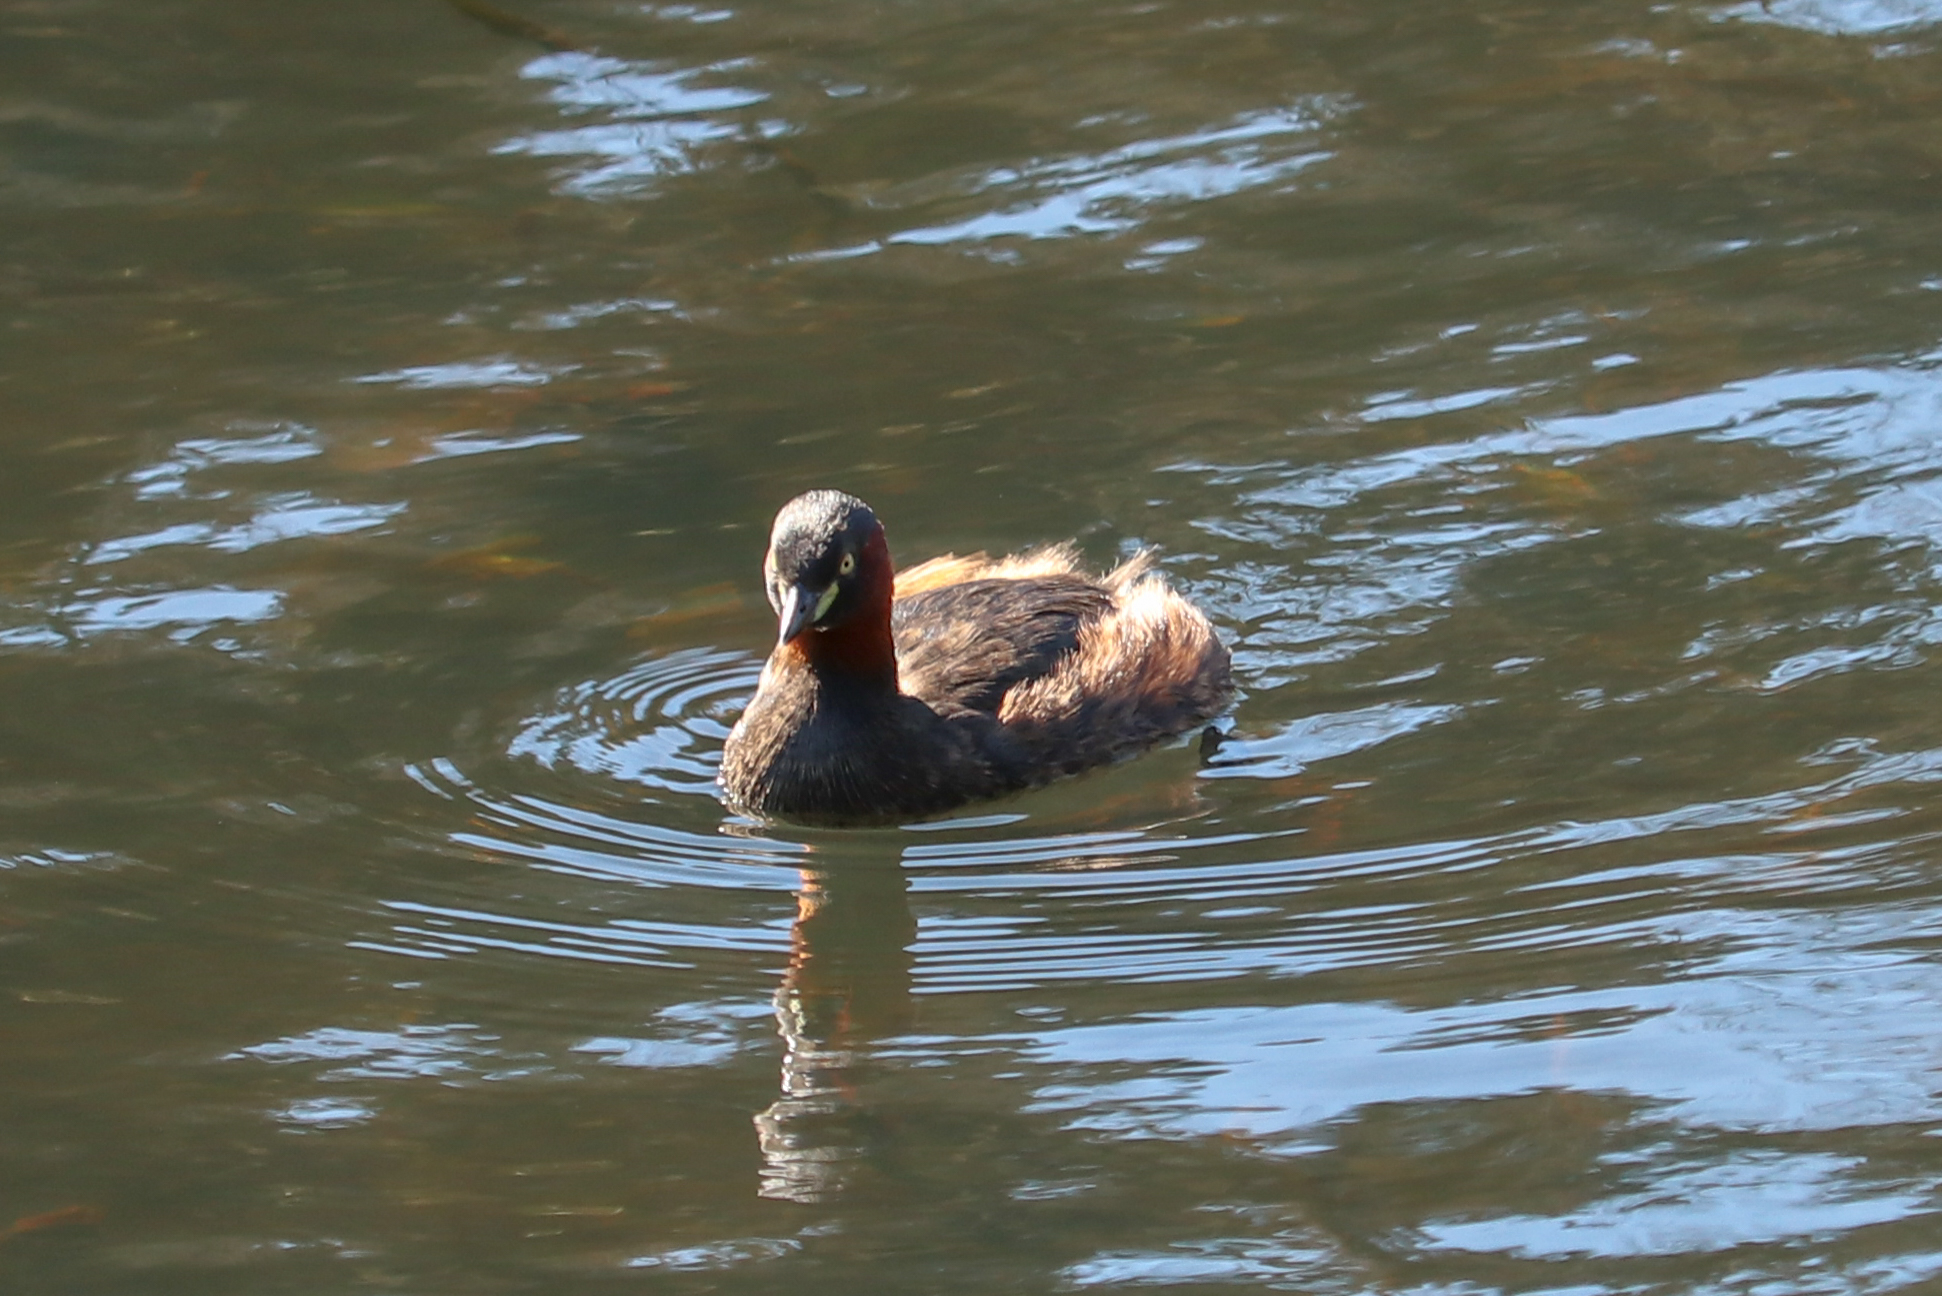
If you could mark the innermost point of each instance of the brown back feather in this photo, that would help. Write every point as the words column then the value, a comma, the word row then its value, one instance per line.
column 962, row 647
column 1078, row 668
column 949, row 569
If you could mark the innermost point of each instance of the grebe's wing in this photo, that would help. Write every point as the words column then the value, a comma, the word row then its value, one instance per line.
column 963, row 646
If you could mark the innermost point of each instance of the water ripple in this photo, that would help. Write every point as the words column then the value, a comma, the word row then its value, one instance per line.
column 1109, row 192
column 659, row 724
column 650, row 122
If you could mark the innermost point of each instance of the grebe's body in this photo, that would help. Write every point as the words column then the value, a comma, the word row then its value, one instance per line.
column 897, row 695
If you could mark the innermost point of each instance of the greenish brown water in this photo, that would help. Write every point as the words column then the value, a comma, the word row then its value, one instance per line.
column 1545, row 401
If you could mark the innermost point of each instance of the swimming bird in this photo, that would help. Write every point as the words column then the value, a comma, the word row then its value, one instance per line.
column 896, row 695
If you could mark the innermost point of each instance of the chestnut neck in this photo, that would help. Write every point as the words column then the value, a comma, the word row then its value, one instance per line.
column 860, row 652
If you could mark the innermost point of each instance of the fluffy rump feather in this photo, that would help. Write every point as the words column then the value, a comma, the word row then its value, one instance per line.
column 1149, row 668
column 1079, row 669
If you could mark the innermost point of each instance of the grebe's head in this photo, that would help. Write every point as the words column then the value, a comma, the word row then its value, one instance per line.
column 828, row 562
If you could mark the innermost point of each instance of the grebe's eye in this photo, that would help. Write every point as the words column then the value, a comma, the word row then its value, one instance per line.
column 847, row 566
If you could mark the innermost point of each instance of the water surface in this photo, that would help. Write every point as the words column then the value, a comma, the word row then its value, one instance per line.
column 1543, row 401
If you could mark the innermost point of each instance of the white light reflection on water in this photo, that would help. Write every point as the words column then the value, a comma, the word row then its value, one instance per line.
column 575, row 316
column 1861, row 438
column 189, row 611
column 1107, row 192
column 288, row 516
column 734, row 1253
column 342, row 1053
column 1840, row 17
column 325, row 1113
column 1301, row 743
column 1867, row 418
column 183, row 496
column 689, row 1035
column 651, row 122
column 1743, row 1042
column 1748, row 1198
column 497, row 372
column 1750, row 1047
column 1280, row 1261
column 1386, row 406
column 459, row 445
column 281, row 443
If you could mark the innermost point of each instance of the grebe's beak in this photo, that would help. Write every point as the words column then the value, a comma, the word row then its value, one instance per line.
column 801, row 609
column 794, row 615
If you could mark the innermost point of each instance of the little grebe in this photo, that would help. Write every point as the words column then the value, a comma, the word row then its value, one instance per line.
column 901, row 694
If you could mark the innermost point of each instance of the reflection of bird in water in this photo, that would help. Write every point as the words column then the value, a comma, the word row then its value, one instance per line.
column 904, row 694
column 848, row 982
